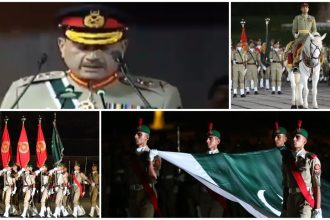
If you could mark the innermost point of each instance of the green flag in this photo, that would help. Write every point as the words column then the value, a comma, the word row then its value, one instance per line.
column 57, row 146
column 253, row 179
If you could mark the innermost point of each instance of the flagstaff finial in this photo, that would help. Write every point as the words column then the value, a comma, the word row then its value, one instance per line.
column 243, row 22
column 23, row 119
column 6, row 119
column 267, row 20
column 39, row 118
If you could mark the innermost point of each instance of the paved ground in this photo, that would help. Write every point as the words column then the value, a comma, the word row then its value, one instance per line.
column 265, row 100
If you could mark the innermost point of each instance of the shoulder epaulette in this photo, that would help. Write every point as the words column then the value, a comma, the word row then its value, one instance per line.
column 42, row 77
column 145, row 83
column 311, row 155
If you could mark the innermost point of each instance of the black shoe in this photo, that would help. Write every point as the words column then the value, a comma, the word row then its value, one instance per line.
column 273, row 92
column 300, row 107
column 256, row 92
column 243, row 96
column 279, row 92
column 234, row 96
column 294, row 107
column 248, row 93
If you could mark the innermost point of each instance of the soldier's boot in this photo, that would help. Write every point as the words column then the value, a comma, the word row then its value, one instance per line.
column 279, row 90
column 49, row 212
column 97, row 210
column 81, row 211
column 242, row 93
column 42, row 211
column 273, row 90
column 6, row 214
column 75, row 212
column 267, row 84
column 261, row 83
column 91, row 213
column 24, row 213
column 247, row 90
column 57, row 212
column 252, row 84
column 64, row 211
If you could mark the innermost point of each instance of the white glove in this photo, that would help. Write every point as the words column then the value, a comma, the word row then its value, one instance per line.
column 42, row 189
column 244, row 72
column 271, row 60
column 152, row 154
column 33, row 192
column 317, row 213
column 93, row 184
column 234, row 61
column 37, row 172
column 264, row 67
column 283, row 69
column 65, row 190
column 14, row 191
column 296, row 35
column 259, row 69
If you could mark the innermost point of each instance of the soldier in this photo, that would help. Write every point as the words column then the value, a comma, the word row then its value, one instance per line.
column 94, row 43
column 265, row 67
column 29, row 189
column 65, row 207
column 44, row 185
column 142, row 177
column 9, row 187
column 302, row 25
column 301, row 178
column 253, row 62
column 78, row 179
column 94, row 178
column 60, row 188
column 17, row 190
column 239, row 69
column 276, row 58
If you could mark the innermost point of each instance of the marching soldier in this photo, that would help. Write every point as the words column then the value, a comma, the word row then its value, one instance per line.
column 94, row 178
column 60, row 188
column 94, row 43
column 302, row 180
column 253, row 62
column 9, row 187
column 29, row 189
column 44, row 185
column 65, row 207
column 78, row 179
column 276, row 58
column 239, row 69
column 16, row 192
column 302, row 25
column 265, row 66
column 142, row 177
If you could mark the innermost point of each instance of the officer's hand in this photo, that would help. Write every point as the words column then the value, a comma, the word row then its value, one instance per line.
column 93, row 184
column 259, row 69
column 296, row 35
column 234, row 61
column 264, row 67
column 271, row 60
column 317, row 213
column 283, row 69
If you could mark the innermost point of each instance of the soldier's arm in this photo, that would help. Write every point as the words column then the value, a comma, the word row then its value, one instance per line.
column 295, row 26
column 314, row 28
column 316, row 181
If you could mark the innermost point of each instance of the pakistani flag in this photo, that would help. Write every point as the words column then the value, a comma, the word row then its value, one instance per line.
column 57, row 146
column 252, row 179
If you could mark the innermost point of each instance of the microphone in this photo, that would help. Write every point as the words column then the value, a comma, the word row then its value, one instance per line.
column 101, row 93
column 41, row 61
column 118, row 57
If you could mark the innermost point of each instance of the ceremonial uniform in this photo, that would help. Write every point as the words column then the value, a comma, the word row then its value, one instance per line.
column 9, row 184
column 239, row 71
column 94, row 177
column 60, row 187
column 93, row 46
column 78, row 179
column 265, row 66
column 253, row 62
column 44, row 185
column 276, row 59
column 28, row 189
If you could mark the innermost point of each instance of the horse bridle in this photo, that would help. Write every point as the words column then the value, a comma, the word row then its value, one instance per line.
column 311, row 55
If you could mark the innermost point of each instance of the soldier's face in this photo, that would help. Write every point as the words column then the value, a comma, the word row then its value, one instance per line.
column 94, row 168
column 90, row 62
column 212, row 142
column 304, row 9
column 299, row 141
column 280, row 140
column 76, row 167
column 141, row 138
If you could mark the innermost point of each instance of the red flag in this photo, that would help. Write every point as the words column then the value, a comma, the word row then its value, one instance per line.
column 41, row 151
column 5, row 147
column 244, row 39
column 23, row 150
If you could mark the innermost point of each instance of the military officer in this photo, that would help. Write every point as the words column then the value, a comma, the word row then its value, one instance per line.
column 302, row 25
column 142, row 175
column 253, row 62
column 93, row 44
column 29, row 189
column 276, row 58
column 239, row 69
column 94, row 178
column 301, row 178
column 78, row 180
column 9, row 187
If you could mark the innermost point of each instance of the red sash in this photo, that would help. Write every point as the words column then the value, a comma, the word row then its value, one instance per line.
column 301, row 184
column 147, row 188
column 78, row 184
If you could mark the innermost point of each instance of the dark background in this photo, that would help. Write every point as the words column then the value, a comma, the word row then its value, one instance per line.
column 185, row 44
column 79, row 132
column 279, row 12
column 241, row 131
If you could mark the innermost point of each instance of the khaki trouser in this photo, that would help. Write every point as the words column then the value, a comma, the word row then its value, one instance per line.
column 76, row 196
column 27, row 196
column 238, row 76
column 59, row 198
column 94, row 195
column 44, row 197
column 6, row 195
column 64, row 200
column 251, row 74
column 140, row 205
column 267, row 73
column 276, row 73
column 298, row 207
column 209, row 206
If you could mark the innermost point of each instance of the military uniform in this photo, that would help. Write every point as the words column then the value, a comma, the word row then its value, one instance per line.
column 94, row 177
column 60, row 187
column 253, row 62
column 44, row 185
column 265, row 73
column 96, row 75
column 78, row 179
column 276, row 59
column 28, row 190
column 239, row 71
column 48, row 87
column 9, row 184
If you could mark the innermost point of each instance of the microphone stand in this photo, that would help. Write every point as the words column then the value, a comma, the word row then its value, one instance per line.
column 124, row 69
column 101, row 94
column 41, row 62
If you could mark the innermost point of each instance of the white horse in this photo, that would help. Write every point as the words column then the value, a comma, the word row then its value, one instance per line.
column 309, row 64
